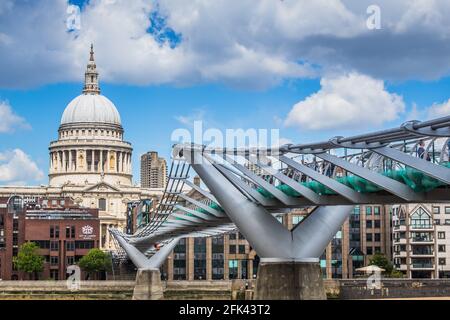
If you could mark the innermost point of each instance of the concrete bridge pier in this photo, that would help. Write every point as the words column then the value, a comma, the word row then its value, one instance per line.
column 289, row 267
column 289, row 280
column 148, row 278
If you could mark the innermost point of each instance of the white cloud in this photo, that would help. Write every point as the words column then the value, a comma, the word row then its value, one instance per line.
column 9, row 121
column 350, row 101
column 241, row 43
column 16, row 167
column 439, row 110
column 188, row 120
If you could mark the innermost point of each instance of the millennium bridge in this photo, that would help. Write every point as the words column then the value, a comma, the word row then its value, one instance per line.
column 407, row 164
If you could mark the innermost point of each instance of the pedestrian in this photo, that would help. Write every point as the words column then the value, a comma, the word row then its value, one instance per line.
column 422, row 152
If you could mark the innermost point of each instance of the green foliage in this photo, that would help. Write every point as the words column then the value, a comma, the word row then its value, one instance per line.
column 396, row 274
column 28, row 260
column 95, row 261
column 381, row 261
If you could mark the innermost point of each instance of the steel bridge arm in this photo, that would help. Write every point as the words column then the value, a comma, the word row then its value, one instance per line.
column 397, row 188
column 438, row 172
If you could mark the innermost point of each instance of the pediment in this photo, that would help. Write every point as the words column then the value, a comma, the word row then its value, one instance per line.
column 102, row 187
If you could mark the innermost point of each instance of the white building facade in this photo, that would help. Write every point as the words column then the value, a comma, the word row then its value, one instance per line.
column 421, row 240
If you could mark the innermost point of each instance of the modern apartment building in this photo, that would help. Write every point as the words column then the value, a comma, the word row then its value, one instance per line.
column 422, row 240
column 153, row 170
column 367, row 231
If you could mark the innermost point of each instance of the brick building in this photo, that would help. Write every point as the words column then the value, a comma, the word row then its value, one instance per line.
column 63, row 231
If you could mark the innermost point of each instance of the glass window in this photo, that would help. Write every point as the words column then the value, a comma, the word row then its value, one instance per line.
column 54, row 260
column 102, row 204
column 232, row 249
column 420, row 219
column 447, row 210
column 233, row 269
column 377, row 224
column 54, row 245
column 70, row 261
column 377, row 237
column 436, row 210
column 241, row 249
column 70, row 246
column 368, row 211
column 296, row 220
column 369, row 224
column 200, row 258
column 441, row 235
column 376, row 211
column 369, row 250
column 369, row 237
column 441, row 248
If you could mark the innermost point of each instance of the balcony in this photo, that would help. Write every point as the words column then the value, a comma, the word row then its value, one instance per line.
column 422, row 266
column 422, row 240
column 427, row 227
column 422, row 253
column 399, row 254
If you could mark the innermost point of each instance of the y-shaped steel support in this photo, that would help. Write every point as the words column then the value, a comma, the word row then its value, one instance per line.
column 140, row 260
column 289, row 267
column 271, row 240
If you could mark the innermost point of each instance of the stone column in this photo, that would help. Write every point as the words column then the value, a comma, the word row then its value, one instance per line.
column 70, row 161
column 108, row 155
column 85, row 160
column 128, row 163
column 101, row 168
column 92, row 160
column 58, row 162
column 226, row 245
column 63, row 167
column 51, row 162
column 108, row 239
column 190, row 259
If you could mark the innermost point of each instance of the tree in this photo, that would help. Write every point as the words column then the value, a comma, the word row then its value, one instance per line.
column 95, row 261
column 381, row 261
column 28, row 260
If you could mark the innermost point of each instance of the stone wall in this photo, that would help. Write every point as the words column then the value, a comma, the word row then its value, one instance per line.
column 388, row 289
column 58, row 290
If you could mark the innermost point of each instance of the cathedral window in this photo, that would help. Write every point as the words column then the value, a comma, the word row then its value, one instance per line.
column 102, row 204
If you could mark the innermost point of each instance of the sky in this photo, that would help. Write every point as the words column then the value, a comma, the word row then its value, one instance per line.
column 311, row 69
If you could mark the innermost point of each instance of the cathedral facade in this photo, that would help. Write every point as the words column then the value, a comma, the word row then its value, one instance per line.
column 91, row 162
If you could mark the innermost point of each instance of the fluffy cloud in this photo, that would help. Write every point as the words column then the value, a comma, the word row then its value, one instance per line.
column 9, row 121
column 439, row 110
column 16, row 167
column 240, row 43
column 349, row 101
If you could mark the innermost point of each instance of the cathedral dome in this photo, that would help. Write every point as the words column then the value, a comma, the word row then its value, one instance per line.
column 91, row 108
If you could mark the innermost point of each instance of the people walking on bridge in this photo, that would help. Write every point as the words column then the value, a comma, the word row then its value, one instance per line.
column 422, row 152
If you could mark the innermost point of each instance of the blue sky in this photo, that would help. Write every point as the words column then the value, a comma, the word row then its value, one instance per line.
column 168, row 61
